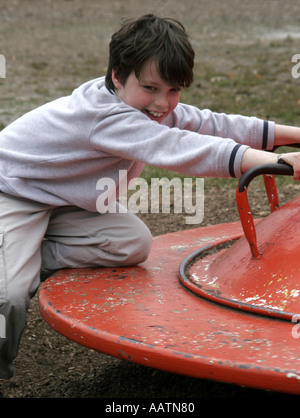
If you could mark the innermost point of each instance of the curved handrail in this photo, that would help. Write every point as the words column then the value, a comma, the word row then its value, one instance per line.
column 242, row 199
column 283, row 169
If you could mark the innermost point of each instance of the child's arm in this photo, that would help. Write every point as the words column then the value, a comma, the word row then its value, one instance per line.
column 283, row 135
column 253, row 157
column 286, row 135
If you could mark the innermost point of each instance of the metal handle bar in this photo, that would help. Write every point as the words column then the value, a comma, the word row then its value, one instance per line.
column 283, row 169
column 242, row 199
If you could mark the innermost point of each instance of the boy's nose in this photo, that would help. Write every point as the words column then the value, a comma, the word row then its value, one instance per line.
column 161, row 101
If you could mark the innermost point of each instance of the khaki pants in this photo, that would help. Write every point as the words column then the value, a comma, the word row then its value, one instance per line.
column 74, row 238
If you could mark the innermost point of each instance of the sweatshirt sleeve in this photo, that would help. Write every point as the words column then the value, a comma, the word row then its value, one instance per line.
column 210, row 145
column 256, row 133
column 251, row 131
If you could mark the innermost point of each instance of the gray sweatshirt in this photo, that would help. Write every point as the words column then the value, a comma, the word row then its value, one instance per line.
column 56, row 153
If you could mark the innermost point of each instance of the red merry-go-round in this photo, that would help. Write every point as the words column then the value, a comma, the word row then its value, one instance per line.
column 219, row 302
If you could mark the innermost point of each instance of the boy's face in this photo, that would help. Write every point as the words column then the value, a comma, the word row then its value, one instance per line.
column 150, row 93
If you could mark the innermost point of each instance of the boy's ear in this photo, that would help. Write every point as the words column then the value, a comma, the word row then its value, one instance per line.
column 115, row 80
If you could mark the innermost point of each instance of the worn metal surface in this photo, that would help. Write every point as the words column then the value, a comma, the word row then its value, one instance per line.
column 268, row 284
column 145, row 315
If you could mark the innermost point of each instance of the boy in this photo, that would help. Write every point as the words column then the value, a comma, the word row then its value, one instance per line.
column 52, row 158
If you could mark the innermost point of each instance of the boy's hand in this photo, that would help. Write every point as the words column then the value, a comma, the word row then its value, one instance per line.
column 293, row 158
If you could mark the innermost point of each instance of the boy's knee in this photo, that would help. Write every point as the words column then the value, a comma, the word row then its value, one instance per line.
column 138, row 247
column 145, row 245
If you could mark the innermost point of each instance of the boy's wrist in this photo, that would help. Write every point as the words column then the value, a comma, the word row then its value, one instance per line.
column 279, row 159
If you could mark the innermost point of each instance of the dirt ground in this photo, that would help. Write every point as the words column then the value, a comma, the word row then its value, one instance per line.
column 53, row 46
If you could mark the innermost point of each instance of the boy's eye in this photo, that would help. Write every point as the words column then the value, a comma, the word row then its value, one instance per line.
column 176, row 89
column 173, row 90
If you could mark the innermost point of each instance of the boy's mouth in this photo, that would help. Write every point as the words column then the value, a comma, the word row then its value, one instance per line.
column 155, row 115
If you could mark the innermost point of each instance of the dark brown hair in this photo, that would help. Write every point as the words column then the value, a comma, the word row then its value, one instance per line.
column 163, row 40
